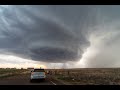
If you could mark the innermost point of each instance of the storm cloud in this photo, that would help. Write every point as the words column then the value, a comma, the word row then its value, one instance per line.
column 42, row 33
column 62, row 33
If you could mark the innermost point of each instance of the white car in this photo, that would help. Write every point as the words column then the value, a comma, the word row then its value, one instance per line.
column 38, row 74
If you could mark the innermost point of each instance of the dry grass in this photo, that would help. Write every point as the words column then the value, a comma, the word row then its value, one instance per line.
column 11, row 72
column 102, row 76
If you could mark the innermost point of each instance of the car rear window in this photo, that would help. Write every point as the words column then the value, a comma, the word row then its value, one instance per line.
column 39, row 70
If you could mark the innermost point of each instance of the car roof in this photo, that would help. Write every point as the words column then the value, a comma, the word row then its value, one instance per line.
column 38, row 69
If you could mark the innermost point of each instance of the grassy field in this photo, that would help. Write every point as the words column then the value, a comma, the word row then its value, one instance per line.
column 11, row 72
column 91, row 76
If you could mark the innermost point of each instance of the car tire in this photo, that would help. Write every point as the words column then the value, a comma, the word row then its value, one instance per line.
column 31, row 80
column 43, row 79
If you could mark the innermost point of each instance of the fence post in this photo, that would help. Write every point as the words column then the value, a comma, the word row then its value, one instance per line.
column 68, row 72
column 55, row 72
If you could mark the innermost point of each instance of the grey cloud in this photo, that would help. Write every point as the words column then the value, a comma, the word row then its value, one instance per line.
column 41, row 34
column 54, row 54
column 52, row 33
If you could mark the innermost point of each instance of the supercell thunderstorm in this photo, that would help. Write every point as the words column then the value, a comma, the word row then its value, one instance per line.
column 80, row 36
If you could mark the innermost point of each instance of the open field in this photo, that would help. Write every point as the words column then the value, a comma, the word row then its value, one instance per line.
column 91, row 76
column 11, row 72
column 101, row 76
column 22, row 77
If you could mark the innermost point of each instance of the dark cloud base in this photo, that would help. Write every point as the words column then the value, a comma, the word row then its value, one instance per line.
column 48, row 54
column 48, row 33
column 42, row 33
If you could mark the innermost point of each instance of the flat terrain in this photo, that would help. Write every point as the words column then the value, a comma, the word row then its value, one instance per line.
column 91, row 76
column 22, row 77
column 25, row 80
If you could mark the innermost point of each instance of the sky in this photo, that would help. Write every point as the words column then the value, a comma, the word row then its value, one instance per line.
column 60, row 36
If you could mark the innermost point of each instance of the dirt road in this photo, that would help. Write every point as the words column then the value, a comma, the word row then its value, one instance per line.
column 25, row 80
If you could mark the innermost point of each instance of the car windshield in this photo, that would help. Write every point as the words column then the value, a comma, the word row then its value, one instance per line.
column 39, row 70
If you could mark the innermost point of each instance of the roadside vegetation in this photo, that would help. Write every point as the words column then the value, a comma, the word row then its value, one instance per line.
column 7, row 72
column 103, row 76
